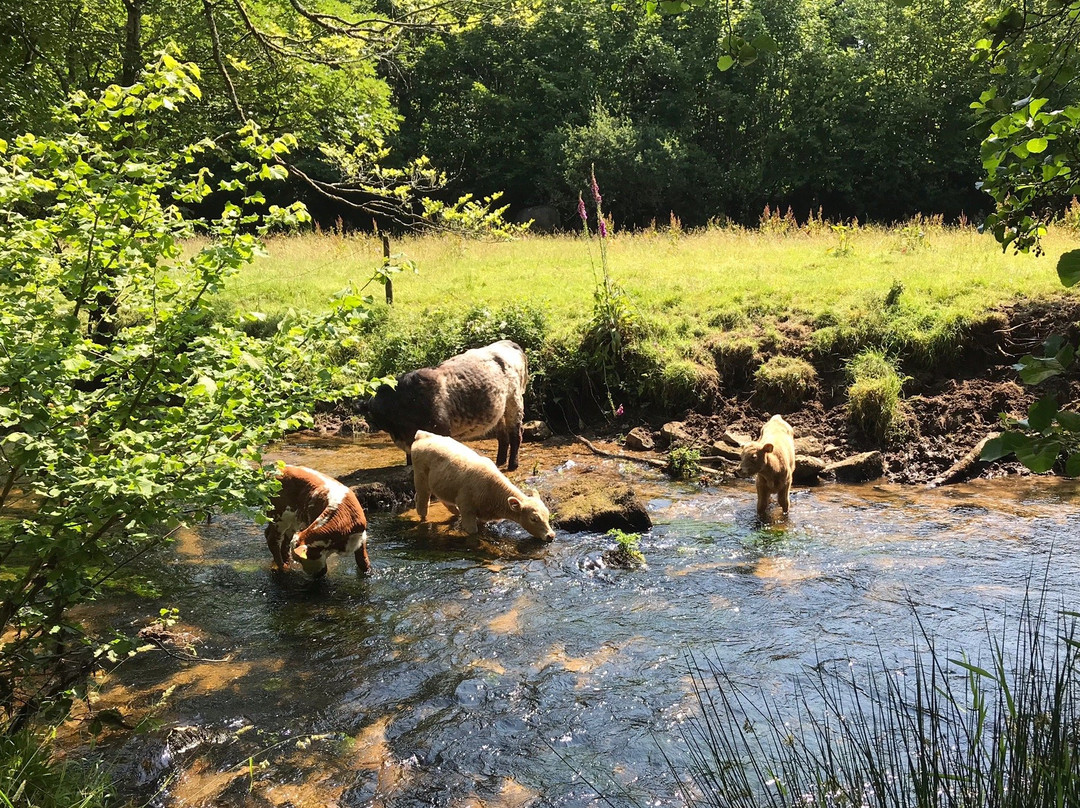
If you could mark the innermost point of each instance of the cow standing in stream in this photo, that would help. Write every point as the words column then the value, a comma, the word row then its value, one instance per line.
column 472, row 395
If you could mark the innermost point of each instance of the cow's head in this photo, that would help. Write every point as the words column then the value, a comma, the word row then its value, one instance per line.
column 752, row 458
column 312, row 559
column 532, row 514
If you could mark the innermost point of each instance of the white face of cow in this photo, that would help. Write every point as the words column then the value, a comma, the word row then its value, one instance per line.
column 533, row 515
column 312, row 559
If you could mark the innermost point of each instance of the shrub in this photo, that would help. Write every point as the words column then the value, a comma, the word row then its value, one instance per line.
column 786, row 380
column 874, row 407
column 684, row 463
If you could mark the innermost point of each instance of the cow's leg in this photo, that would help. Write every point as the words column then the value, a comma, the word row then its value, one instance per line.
column 275, row 541
column 423, row 493
column 515, row 445
column 762, row 496
column 783, row 497
column 363, row 563
column 504, row 446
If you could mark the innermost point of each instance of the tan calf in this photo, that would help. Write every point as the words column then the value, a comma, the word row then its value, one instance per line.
column 473, row 486
column 313, row 517
column 772, row 458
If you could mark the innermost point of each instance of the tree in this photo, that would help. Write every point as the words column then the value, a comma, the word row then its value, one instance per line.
column 106, row 446
column 1031, row 154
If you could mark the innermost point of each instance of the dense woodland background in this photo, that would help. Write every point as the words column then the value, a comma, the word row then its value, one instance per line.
column 862, row 108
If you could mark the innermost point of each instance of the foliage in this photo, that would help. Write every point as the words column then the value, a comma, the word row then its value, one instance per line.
column 1048, row 432
column 627, row 551
column 30, row 779
column 684, row 463
column 1030, row 154
column 685, row 383
column 861, row 107
column 949, row 731
column 874, row 407
column 785, row 379
column 125, row 408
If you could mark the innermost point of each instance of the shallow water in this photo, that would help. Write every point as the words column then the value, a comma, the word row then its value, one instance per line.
column 510, row 672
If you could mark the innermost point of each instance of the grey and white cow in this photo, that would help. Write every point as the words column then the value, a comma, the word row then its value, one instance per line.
column 471, row 395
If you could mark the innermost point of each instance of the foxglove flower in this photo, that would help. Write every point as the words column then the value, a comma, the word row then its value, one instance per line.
column 581, row 209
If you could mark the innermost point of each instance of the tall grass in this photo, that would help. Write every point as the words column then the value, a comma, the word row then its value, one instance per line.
column 30, row 778
column 874, row 406
column 948, row 733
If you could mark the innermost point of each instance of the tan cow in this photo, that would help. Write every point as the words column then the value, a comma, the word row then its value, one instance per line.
column 772, row 458
column 473, row 486
column 313, row 517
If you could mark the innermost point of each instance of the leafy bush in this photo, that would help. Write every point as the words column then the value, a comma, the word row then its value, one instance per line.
column 786, row 380
column 684, row 463
column 127, row 410
column 874, row 407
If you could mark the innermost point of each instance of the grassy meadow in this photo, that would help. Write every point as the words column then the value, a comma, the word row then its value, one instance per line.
column 699, row 299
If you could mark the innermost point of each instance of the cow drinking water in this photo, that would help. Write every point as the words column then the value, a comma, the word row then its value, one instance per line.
column 471, row 395
column 314, row 516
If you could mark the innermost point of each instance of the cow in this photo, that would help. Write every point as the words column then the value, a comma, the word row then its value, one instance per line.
column 469, row 395
column 312, row 517
column 472, row 486
column 772, row 458
column 543, row 218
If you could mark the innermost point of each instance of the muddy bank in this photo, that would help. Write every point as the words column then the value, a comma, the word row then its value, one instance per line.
column 945, row 411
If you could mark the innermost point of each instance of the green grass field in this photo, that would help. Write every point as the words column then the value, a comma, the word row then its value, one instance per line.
column 687, row 282
column 914, row 292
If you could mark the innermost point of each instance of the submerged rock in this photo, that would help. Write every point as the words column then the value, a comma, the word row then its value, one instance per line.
column 858, row 468
column 596, row 503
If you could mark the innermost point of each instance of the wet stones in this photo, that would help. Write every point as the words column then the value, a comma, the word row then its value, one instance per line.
column 639, row 439
column 596, row 503
column 858, row 468
column 383, row 490
column 807, row 469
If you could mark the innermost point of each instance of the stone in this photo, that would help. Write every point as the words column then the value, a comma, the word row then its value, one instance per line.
column 535, row 431
column 809, row 446
column 736, row 439
column 807, row 469
column 721, row 449
column 596, row 503
column 382, row 490
column 674, row 433
column 639, row 439
column 858, row 468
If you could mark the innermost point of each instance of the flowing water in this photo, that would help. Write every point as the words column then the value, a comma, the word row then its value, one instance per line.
column 510, row 672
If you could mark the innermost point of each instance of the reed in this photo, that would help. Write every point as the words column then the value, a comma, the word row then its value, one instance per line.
column 951, row 731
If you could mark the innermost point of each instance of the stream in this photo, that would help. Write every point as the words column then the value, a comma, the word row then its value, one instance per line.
column 510, row 672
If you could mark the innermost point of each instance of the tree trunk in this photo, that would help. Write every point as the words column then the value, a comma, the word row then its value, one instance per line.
column 132, row 43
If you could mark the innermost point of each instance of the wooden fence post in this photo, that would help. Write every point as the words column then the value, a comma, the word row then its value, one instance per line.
column 386, row 263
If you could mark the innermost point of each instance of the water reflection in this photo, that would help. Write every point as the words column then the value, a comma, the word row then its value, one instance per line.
column 509, row 673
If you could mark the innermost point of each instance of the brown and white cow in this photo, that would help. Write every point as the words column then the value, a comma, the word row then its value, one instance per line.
column 315, row 516
column 473, row 486
column 471, row 395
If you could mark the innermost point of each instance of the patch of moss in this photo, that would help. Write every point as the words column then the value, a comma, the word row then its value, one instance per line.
column 685, row 384
column 874, row 406
column 736, row 357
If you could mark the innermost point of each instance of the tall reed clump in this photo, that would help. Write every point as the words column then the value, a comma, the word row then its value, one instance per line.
column 949, row 733
column 874, row 405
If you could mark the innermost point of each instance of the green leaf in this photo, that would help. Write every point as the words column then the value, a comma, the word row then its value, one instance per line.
column 1002, row 446
column 1068, row 268
column 1072, row 465
column 1069, row 421
column 765, row 43
column 1037, row 145
column 1038, row 455
column 725, row 63
column 1041, row 413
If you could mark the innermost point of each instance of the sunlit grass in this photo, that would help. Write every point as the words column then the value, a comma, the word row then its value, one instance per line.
column 688, row 287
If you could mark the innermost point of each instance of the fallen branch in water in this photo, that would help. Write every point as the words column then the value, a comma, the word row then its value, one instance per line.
column 650, row 461
column 966, row 467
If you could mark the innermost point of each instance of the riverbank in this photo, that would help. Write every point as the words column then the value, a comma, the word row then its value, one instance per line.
column 721, row 327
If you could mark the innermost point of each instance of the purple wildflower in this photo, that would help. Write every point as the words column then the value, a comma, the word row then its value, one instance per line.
column 601, row 227
column 581, row 209
column 619, row 412
column 596, row 190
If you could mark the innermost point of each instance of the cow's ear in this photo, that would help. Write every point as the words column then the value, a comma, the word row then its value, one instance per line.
column 768, row 447
column 300, row 551
column 534, row 493
column 514, row 503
